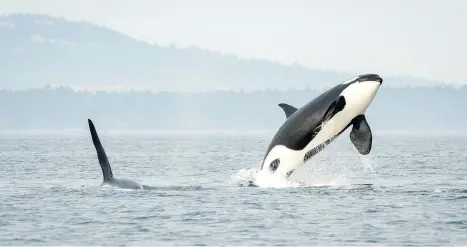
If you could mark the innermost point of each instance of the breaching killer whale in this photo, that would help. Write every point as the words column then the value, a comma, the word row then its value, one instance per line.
column 310, row 128
column 109, row 178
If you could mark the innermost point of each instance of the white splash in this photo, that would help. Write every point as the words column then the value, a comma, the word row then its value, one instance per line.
column 367, row 162
column 246, row 177
column 318, row 172
column 339, row 181
column 274, row 180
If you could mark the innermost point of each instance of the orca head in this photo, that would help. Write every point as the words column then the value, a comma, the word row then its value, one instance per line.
column 360, row 92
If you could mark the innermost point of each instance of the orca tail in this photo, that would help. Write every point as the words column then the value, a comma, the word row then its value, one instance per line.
column 101, row 155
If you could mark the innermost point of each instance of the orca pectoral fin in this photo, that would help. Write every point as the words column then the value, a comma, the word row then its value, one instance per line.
column 288, row 109
column 360, row 135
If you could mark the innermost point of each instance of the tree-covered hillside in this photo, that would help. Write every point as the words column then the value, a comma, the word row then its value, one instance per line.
column 398, row 109
column 36, row 50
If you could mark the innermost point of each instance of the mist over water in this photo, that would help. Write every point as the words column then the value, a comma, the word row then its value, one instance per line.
column 51, row 192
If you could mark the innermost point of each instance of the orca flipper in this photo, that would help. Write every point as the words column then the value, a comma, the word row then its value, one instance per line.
column 361, row 135
column 101, row 155
column 288, row 109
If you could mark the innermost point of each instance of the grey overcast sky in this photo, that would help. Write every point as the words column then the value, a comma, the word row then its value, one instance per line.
column 422, row 38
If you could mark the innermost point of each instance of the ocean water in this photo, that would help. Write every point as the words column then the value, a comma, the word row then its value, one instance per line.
column 412, row 189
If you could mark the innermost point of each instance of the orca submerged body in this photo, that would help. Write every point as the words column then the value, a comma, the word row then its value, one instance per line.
column 307, row 130
column 109, row 178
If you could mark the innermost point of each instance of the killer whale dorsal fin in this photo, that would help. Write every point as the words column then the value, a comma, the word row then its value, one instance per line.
column 288, row 109
column 361, row 135
column 101, row 155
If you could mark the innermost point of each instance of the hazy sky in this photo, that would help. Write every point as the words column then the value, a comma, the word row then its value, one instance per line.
column 421, row 38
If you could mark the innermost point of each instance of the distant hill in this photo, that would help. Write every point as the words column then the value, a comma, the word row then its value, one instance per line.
column 418, row 109
column 36, row 50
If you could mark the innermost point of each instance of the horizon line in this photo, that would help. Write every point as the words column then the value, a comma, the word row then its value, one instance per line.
column 122, row 89
column 154, row 131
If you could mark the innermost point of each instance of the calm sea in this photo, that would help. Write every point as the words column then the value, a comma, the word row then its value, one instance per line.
column 412, row 189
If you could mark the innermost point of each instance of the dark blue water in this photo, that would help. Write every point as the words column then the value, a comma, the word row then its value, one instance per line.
column 51, row 194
